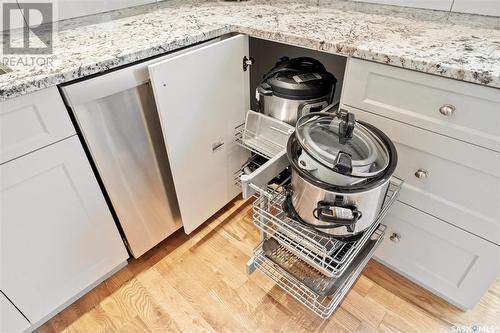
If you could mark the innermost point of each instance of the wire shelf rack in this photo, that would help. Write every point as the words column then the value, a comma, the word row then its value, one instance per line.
column 329, row 255
column 256, row 144
column 292, row 280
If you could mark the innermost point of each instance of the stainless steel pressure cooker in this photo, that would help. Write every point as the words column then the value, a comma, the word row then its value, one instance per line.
column 295, row 87
column 340, row 173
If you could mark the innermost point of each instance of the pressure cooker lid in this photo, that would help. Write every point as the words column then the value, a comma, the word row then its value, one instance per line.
column 338, row 142
column 298, row 78
column 294, row 85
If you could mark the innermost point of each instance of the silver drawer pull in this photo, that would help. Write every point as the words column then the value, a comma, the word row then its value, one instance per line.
column 447, row 110
column 422, row 174
column 395, row 238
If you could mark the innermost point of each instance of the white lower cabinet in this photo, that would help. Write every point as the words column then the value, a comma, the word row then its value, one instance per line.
column 450, row 179
column 58, row 238
column 451, row 262
column 11, row 320
column 444, row 234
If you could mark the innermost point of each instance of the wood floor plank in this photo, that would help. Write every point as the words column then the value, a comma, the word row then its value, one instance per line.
column 193, row 279
column 363, row 308
column 342, row 318
column 366, row 328
column 198, row 283
column 487, row 310
column 405, row 311
column 241, row 231
column 363, row 285
column 224, row 258
column 169, row 299
column 135, row 325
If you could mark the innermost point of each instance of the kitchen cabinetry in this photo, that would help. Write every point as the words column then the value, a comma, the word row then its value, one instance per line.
column 57, row 236
column 433, row 121
column 438, row 178
column 445, row 259
column 32, row 122
column 11, row 320
column 460, row 110
column 448, row 224
column 202, row 96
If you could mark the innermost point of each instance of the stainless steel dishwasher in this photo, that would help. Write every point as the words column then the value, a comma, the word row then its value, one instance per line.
column 116, row 112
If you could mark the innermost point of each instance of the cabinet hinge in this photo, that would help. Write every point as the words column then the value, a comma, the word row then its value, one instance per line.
column 247, row 62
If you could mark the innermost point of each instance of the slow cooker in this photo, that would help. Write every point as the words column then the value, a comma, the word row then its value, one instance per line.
column 341, row 170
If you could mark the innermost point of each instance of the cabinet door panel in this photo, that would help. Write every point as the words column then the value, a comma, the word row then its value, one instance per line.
column 32, row 121
column 11, row 320
column 201, row 97
column 57, row 234
column 446, row 260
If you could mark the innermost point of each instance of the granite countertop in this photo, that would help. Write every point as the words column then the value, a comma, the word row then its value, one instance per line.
column 458, row 46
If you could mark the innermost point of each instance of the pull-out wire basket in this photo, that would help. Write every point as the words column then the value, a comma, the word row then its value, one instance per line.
column 329, row 255
column 285, row 273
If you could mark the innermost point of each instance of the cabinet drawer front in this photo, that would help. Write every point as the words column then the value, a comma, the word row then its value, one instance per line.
column 448, row 261
column 418, row 99
column 462, row 185
column 31, row 122
column 58, row 236
column 466, row 197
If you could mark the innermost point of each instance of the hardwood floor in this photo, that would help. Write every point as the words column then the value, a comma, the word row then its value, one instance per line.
column 198, row 283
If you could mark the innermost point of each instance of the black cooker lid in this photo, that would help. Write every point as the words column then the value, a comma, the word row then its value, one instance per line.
column 298, row 79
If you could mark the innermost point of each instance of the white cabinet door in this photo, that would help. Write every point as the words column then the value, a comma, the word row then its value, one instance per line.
column 202, row 95
column 57, row 234
column 11, row 320
column 31, row 122
column 446, row 260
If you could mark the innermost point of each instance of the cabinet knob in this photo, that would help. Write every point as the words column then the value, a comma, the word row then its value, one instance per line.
column 395, row 238
column 421, row 174
column 447, row 110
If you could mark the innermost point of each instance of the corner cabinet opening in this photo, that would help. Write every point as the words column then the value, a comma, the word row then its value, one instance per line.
column 218, row 147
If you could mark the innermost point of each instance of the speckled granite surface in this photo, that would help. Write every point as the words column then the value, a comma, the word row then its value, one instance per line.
column 463, row 47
